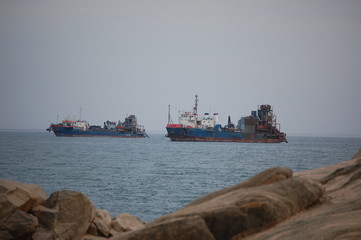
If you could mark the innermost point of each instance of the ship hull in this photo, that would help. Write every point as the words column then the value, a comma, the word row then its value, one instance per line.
column 71, row 132
column 199, row 135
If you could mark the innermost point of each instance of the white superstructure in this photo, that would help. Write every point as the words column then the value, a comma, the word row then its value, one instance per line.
column 193, row 120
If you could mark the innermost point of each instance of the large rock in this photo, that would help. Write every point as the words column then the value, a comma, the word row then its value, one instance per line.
column 101, row 224
column 125, row 222
column 185, row 228
column 46, row 216
column 16, row 200
column 93, row 237
column 268, row 176
column 245, row 208
column 42, row 234
column 20, row 225
column 5, row 235
column 246, row 211
column 18, row 196
column 66, row 215
column 336, row 216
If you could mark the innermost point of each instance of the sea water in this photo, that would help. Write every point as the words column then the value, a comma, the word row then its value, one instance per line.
column 153, row 176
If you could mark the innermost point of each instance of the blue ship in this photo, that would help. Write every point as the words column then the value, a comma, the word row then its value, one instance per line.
column 259, row 127
column 127, row 129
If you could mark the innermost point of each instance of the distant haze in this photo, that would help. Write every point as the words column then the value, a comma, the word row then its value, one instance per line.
column 118, row 57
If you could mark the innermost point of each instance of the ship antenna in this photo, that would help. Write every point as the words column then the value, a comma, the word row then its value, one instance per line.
column 195, row 109
column 169, row 117
column 80, row 113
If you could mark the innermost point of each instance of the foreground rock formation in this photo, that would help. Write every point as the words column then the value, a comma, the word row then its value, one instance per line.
column 322, row 203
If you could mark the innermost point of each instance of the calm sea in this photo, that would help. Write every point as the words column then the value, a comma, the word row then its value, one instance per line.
column 153, row 176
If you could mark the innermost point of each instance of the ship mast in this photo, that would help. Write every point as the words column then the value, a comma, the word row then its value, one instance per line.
column 195, row 109
column 169, row 117
column 80, row 113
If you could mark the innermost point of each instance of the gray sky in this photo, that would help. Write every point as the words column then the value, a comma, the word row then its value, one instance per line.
column 119, row 57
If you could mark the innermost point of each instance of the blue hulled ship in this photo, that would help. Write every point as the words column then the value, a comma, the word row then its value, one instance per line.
column 259, row 127
column 127, row 129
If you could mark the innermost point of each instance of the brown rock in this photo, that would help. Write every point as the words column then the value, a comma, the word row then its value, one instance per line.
column 67, row 214
column 41, row 234
column 15, row 195
column 6, row 208
column 335, row 217
column 47, row 217
column 174, row 229
column 5, row 235
column 92, row 237
column 20, row 225
column 23, row 196
column 101, row 223
column 268, row 176
column 125, row 222
column 93, row 230
column 246, row 211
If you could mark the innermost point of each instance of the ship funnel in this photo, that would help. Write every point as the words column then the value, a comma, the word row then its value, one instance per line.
column 215, row 118
column 230, row 125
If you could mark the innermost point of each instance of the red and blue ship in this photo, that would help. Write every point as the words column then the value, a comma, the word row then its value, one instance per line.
column 259, row 127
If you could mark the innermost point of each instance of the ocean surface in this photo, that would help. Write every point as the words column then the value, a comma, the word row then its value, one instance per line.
column 153, row 176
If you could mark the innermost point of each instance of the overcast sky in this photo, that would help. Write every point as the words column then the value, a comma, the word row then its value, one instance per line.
column 118, row 57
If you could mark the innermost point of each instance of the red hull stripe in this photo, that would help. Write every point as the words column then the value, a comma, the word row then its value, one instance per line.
column 174, row 126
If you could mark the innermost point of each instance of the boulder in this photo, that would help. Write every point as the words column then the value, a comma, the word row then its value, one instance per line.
column 125, row 222
column 18, row 196
column 92, row 237
column 6, row 209
column 66, row 214
column 101, row 224
column 5, row 235
column 93, row 230
column 184, row 228
column 247, row 210
column 23, row 196
column 47, row 217
column 42, row 234
column 20, row 225
column 265, row 177
column 336, row 216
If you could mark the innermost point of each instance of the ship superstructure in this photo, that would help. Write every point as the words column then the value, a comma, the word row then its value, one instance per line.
column 260, row 126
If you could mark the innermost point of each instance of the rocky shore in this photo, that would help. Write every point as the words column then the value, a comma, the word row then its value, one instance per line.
column 323, row 203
